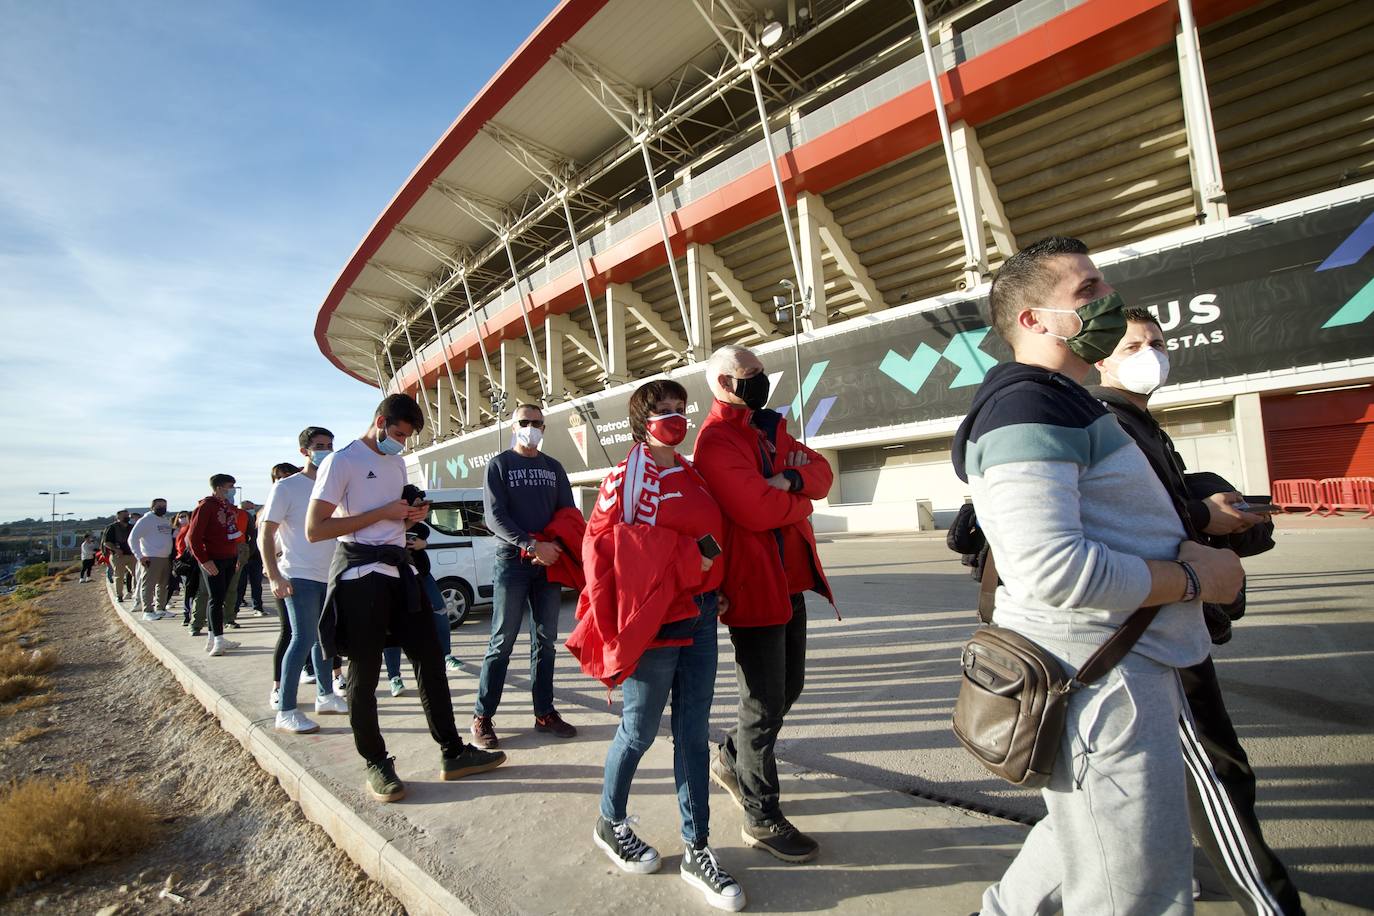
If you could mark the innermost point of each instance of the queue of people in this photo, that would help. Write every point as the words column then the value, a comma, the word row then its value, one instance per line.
column 678, row 546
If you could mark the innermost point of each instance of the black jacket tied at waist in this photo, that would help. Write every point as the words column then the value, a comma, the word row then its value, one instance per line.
column 350, row 555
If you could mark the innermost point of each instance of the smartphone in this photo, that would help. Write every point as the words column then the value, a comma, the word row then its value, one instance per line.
column 708, row 546
column 1259, row 505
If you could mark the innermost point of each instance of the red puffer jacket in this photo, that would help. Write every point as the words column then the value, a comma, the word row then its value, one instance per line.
column 736, row 460
column 567, row 528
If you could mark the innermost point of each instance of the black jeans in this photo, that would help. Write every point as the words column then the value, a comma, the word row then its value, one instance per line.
column 1222, row 809
column 770, row 665
column 251, row 578
column 372, row 613
column 86, row 566
column 218, row 586
column 283, row 639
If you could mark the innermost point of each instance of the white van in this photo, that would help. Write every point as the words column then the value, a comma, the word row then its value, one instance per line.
column 461, row 550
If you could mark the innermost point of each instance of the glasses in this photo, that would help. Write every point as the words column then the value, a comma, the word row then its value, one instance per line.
column 537, row 424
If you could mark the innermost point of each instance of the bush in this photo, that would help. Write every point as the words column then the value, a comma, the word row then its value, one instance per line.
column 31, row 573
column 53, row 825
column 27, row 592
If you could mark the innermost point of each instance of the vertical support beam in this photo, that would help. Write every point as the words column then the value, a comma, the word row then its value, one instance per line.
column 812, row 267
column 663, row 230
column 777, row 176
column 512, row 353
column 444, row 408
column 617, row 370
column 554, row 333
column 986, row 200
column 1254, row 456
column 420, row 382
column 472, row 392
column 960, row 137
column 1203, row 158
column 698, row 305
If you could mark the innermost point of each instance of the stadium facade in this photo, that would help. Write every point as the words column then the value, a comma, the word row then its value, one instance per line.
column 609, row 208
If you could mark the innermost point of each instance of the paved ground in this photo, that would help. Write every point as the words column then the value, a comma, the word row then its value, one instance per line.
column 881, row 684
column 871, row 727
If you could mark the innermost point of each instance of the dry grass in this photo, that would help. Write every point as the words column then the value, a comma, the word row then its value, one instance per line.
column 25, row 735
column 53, row 825
column 32, row 701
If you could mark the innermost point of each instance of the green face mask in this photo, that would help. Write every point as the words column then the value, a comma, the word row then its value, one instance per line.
column 1103, row 324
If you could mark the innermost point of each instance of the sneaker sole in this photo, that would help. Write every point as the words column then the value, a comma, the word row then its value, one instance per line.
column 451, row 775
column 732, row 791
column 292, row 731
column 733, row 904
column 394, row 796
column 331, row 712
column 550, row 730
column 634, row 868
column 775, row 853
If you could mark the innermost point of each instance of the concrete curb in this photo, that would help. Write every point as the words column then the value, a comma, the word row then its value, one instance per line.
column 374, row 853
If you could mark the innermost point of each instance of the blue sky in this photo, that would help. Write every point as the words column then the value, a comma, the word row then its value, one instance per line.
column 180, row 184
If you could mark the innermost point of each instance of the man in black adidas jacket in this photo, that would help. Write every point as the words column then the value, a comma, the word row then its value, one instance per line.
column 1221, row 788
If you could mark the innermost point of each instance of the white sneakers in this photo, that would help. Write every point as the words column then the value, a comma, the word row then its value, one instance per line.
column 307, row 677
column 154, row 615
column 340, row 685
column 218, row 645
column 275, row 702
column 331, row 705
column 398, row 686
column 295, row 722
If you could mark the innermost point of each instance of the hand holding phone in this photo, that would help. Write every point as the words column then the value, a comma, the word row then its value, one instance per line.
column 708, row 546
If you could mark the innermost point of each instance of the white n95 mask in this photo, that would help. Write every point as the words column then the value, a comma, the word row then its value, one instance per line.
column 1143, row 371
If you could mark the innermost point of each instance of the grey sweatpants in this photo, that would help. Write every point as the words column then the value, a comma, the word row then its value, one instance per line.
column 1116, row 841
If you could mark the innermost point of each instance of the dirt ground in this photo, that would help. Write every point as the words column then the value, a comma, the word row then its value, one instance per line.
column 231, row 841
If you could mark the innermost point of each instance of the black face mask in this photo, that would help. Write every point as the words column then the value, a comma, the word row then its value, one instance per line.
column 753, row 391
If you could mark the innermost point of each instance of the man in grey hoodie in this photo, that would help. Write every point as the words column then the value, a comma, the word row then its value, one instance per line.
column 1084, row 534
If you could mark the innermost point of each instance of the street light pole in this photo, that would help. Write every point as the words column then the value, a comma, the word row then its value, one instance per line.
column 52, row 526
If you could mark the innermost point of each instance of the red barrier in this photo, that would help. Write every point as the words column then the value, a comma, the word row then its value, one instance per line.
column 1298, row 494
column 1340, row 493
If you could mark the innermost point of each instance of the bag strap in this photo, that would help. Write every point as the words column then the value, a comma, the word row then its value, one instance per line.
column 987, row 589
column 1107, row 654
column 1116, row 646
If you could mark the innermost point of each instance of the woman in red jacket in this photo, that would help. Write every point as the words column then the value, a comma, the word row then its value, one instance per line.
column 647, row 621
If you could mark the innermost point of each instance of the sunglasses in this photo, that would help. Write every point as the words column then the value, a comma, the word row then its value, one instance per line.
column 537, row 424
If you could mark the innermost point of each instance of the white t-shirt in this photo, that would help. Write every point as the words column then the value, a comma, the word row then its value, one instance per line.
column 287, row 505
column 358, row 480
column 88, row 549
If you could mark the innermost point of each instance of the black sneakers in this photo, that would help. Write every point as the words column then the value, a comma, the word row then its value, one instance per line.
column 625, row 849
column 469, row 761
column 782, row 840
column 723, row 775
column 383, row 782
column 701, row 870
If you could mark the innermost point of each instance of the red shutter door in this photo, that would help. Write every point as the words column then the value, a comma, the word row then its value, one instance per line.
column 1326, row 434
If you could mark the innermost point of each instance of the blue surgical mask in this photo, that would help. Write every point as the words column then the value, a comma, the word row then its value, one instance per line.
column 389, row 446
column 318, row 455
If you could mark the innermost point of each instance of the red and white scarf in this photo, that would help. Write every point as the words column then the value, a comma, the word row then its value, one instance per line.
column 634, row 485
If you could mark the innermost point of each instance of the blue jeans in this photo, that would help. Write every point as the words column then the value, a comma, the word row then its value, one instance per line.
column 520, row 589
column 303, row 607
column 392, row 656
column 688, row 674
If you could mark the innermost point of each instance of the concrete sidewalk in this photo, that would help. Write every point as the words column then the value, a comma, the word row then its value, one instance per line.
column 518, row 840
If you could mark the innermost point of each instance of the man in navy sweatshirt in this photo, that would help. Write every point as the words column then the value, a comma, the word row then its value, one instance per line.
column 1084, row 534
column 523, row 489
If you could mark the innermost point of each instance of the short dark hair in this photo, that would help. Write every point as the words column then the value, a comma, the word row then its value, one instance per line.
column 156, row 500
column 311, row 432
column 401, row 408
column 643, row 400
column 284, row 469
column 521, row 407
column 220, row 480
column 1024, row 279
column 1142, row 315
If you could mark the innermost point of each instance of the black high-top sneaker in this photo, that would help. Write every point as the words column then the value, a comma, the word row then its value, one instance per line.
column 625, row 849
column 701, row 870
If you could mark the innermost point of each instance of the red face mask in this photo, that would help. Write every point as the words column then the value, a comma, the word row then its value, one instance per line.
column 668, row 428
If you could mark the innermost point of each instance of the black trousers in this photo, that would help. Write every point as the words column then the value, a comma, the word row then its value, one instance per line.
column 218, row 586
column 86, row 566
column 1221, row 802
column 770, row 665
column 373, row 615
column 251, row 577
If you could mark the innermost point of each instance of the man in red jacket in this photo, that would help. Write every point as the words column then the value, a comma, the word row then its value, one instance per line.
column 214, row 540
column 764, row 481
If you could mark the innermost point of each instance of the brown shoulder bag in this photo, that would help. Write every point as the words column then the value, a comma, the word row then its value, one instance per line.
column 1010, row 711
